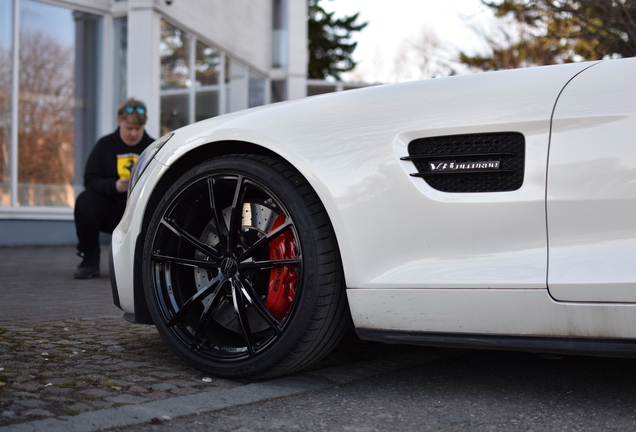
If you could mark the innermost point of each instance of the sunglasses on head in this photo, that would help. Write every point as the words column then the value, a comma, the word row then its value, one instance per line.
column 130, row 109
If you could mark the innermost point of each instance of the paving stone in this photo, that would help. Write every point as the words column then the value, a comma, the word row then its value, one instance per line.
column 184, row 391
column 57, row 390
column 30, row 403
column 101, row 404
column 21, row 394
column 162, row 374
column 157, row 395
column 163, row 386
column 132, row 364
column 79, row 407
column 138, row 389
column 38, row 412
column 60, row 381
column 182, row 382
column 28, row 386
column 57, row 398
column 126, row 399
column 97, row 392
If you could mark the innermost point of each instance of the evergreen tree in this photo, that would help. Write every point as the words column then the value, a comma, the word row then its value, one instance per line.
column 330, row 49
column 561, row 31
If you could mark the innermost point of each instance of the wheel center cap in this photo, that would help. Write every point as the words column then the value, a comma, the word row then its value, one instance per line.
column 229, row 267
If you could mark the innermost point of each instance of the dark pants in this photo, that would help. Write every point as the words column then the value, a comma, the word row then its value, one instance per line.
column 95, row 212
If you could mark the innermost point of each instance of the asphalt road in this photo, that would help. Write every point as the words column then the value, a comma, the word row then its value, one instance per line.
column 480, row 390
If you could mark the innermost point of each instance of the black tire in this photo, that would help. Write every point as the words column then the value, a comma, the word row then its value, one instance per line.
column 207, row 289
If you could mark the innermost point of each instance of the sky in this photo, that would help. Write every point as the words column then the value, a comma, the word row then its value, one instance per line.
column 54, row 21
column 396, row 24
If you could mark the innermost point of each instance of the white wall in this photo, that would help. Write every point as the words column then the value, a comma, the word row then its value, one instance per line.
column 241, row 28
column 84, row 5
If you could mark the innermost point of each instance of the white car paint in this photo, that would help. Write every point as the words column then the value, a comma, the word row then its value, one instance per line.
column 125, row 236
column 490, row 312
column 417, row 259
column 591, row 197
column 348, row 147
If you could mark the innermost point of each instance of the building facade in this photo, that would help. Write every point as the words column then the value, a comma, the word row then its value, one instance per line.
column 66, row 65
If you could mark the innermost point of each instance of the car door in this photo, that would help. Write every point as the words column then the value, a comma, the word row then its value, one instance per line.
column 591, row 192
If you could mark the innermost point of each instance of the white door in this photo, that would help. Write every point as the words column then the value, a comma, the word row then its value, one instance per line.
column 591, row 195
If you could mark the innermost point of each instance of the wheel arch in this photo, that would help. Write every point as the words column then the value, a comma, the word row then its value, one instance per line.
column 187, row 161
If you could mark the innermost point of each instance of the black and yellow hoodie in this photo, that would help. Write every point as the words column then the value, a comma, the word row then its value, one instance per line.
column 110, row 160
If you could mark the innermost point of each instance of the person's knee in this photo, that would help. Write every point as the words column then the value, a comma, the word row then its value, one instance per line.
column 82, row 205
column 88, row 205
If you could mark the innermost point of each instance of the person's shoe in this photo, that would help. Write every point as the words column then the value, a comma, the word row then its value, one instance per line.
column 89, row 267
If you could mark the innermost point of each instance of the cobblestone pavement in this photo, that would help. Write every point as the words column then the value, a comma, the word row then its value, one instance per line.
column 66, row 352
column 65, row 348
column 67, row 367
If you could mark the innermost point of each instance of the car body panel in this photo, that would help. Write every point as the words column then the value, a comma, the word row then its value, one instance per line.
column 125, row 236
column 348, row 147
column 419, row 260
column 591, row 197
column 518, row 312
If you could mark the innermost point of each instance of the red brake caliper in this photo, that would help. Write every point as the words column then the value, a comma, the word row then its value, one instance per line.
column 282, row 280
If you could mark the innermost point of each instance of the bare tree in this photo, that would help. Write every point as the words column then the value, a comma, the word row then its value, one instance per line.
column 423, row 56
column 45, row 126
column 561, row 31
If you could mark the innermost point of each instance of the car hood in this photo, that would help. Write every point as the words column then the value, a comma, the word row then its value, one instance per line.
column 355, row 119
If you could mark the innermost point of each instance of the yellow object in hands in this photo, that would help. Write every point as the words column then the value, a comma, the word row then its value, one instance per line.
column 125, row 164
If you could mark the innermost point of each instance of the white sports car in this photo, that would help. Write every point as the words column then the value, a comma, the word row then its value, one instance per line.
column 491, row 210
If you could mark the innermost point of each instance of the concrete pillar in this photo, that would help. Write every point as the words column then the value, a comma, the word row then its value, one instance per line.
column 298, row 56
column 143, row 59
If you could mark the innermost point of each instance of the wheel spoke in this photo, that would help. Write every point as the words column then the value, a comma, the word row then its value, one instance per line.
column 263, row 241
column 217, row 212
column 213, row 287
column 241, row 313
column 198, row 244
column 236, row 216
column 206, row 317
column 262, row 265
column 185, row 261
column 262, row 309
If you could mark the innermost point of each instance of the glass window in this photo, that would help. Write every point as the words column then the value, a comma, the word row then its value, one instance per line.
column 257, row 90
column 174, row 112
column 238, row 86
column 57, row 90
column 174, row 50
column 6, row 68
column 46, row 103
column 181, row 102
column 121, row 59
column 279, row 91
column 207, row 105
column 208, row 65
column 227, row 70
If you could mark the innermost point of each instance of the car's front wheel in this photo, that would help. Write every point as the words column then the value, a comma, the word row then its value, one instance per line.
column 241, row 269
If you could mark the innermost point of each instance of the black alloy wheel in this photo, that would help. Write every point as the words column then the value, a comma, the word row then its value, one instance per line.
column 241, row 269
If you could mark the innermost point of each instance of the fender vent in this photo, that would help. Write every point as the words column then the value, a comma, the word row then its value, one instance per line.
column 490, row 162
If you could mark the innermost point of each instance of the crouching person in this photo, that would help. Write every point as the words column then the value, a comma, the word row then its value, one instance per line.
column 101, row 206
